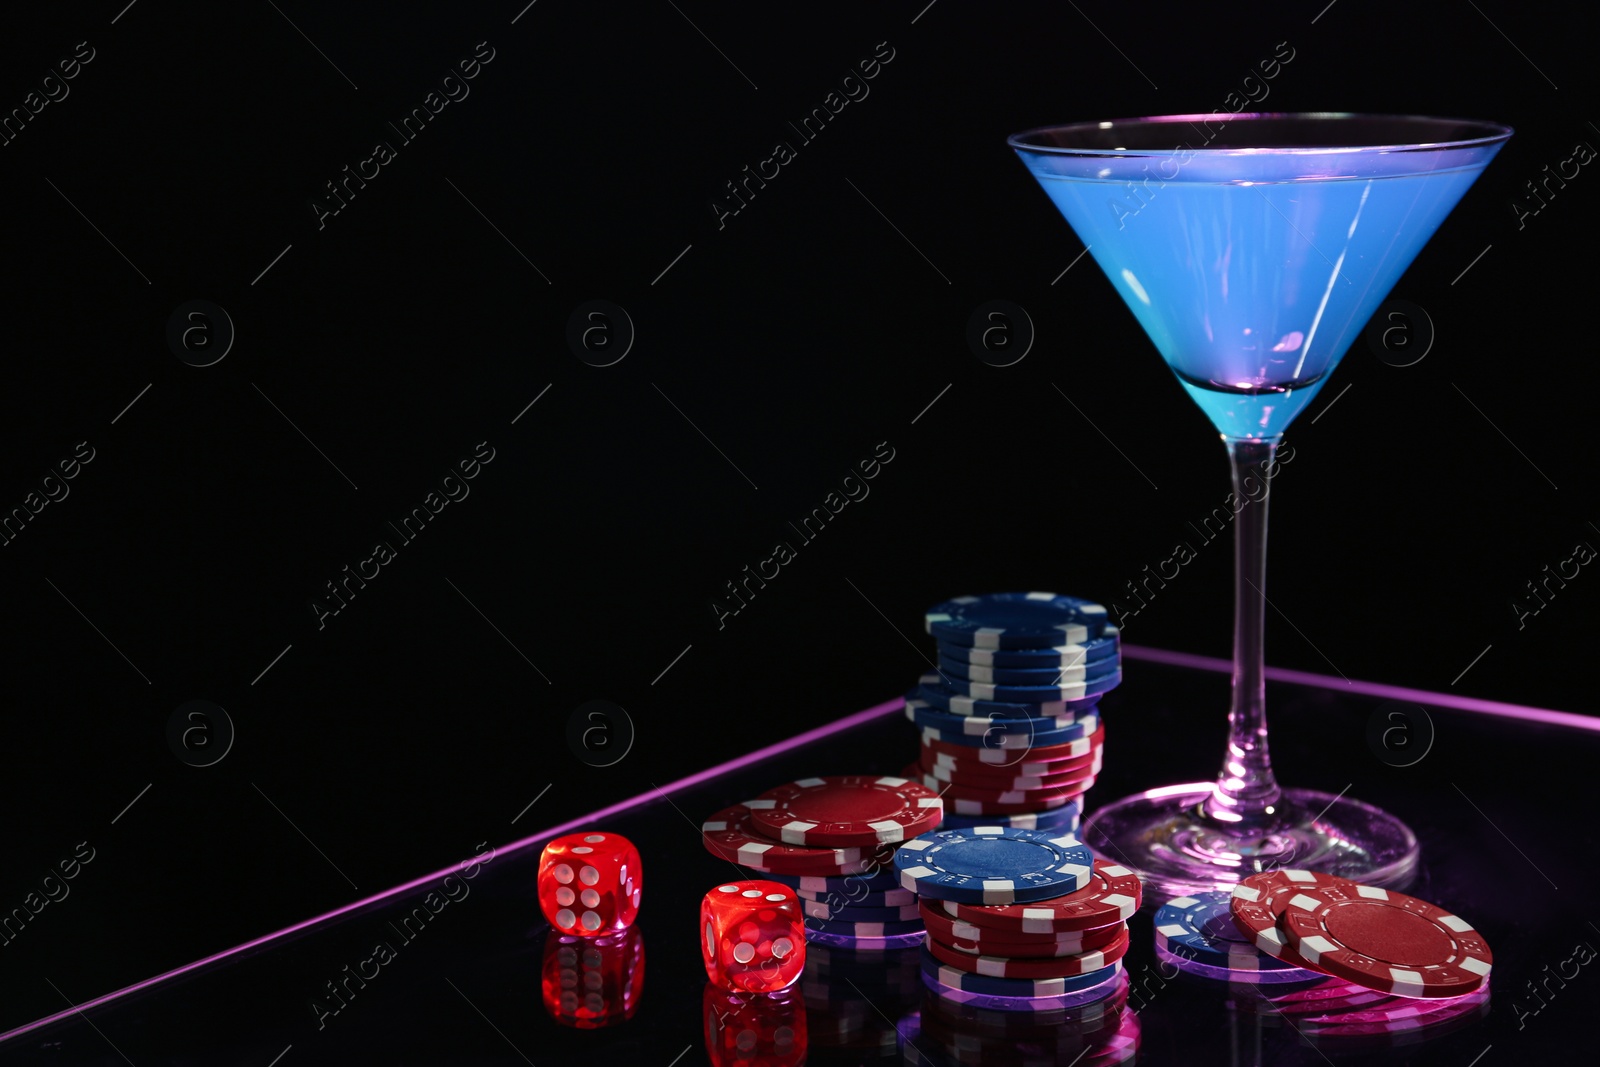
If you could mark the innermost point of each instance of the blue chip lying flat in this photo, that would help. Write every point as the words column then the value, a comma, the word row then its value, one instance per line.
column 1095, row 650
column 1016, row 620
column 993, row 865
column 1013, row 987
column 1201, row 928
column 1057, row 821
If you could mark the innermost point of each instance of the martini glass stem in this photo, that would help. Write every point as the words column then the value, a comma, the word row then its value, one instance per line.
column 1246, row 790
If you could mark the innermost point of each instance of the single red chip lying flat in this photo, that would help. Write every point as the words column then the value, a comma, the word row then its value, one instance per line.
column 1386, row 941
column 1259, row 899
column 845, row 811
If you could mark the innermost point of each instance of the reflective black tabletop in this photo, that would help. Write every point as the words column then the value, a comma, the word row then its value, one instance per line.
column 1497, row 798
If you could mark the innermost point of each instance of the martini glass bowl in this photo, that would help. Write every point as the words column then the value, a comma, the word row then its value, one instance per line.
column 1253, row 248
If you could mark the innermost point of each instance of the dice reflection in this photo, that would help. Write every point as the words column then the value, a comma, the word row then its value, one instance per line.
column 590, row 982
column 754, row 1029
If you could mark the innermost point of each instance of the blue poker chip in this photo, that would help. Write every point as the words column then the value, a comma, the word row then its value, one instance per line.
column 1033, row 694
column 859, row 913
column 993, row 865
column 931, row 688
column 1095, row 650
column 841, row 928
column 923, row 713
column 1013, row 987
column 850, row 886
column 1062, row 820
column 1201, row 928
column 1015, row 620
column 1052, row 675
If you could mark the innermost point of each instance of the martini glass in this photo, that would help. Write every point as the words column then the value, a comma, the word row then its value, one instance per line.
column 1253, row 248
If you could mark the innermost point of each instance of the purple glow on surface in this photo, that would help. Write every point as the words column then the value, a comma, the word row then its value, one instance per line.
column 1452, row 701
column 749, row 759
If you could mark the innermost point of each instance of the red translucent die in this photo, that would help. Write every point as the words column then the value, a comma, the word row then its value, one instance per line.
column 755, row 1029
column 590, row 982
column 752, row 936
column 589, row 884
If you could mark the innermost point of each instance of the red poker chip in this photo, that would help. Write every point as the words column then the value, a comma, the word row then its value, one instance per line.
column 1005, row 757
column 958, row 791
column 1031, row 968
column 732, row 835
column 845, row 811
column 1386, row 941
column 1112, row 895
column 979, row 789
column 1259, row 899
column 1001, row 778
column 964, row 806
column 978, row 941
column 969, row 770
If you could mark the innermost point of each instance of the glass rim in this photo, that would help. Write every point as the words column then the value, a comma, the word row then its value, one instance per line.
column 1486, row 133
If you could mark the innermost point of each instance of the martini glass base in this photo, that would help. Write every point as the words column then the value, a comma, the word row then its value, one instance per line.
column 1163, row 837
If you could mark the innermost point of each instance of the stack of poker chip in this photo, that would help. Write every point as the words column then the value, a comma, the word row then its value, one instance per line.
column 1017, row 915
column 1392, row 951
column 1010, row 722
column 832, row 839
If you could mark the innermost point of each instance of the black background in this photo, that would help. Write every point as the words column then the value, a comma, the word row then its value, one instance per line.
column 772, row 355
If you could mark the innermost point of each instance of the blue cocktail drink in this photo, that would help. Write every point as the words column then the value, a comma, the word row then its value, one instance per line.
column 1253, row 249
